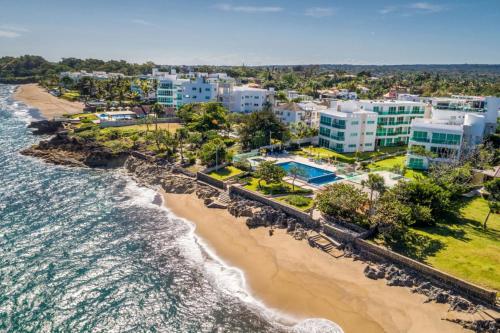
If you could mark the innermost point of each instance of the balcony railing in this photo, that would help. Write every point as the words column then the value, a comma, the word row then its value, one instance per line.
column 446, row 142
column 339, row 126
column 420, row 139
column 338, row 138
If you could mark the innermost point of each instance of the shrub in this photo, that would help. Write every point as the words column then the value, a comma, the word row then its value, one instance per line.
column 297, row 200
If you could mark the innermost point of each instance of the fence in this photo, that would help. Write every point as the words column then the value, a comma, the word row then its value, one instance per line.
column 120, row 123
column 304, row 218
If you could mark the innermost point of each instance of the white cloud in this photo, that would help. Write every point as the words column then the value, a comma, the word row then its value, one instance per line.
column 142, row 22
column 319, row 12
column 414, row 8
column 15, row 28
column 388, row 9
column 248, row 9
column 9, row 34
column 427, row 7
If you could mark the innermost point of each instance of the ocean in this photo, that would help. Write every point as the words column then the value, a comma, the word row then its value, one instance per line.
column 85, row 250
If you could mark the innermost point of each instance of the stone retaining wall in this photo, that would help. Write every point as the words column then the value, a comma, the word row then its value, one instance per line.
column 464, row 287
column 211, row 181
column 303, row 218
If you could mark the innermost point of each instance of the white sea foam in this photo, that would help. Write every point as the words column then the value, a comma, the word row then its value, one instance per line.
column 226, row 278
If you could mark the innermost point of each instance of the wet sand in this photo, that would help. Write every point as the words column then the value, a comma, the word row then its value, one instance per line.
column 290, row 276
column 49, row 106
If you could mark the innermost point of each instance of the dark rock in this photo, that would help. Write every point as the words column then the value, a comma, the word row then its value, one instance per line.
column 45, row 126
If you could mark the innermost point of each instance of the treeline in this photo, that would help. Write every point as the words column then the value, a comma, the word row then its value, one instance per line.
column 426, row 80
column 30, row 68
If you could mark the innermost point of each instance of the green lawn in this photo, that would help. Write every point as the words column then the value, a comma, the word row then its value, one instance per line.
column 272, row 189
column 391, row 162
column 460, row 246
column 321, row 152
column 225, row 173
column 300, row 202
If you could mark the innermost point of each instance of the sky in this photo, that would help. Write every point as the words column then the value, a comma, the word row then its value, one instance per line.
column 254, row 32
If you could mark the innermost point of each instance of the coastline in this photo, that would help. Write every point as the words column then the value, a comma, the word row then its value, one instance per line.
column 48, row 106
column 293, row 278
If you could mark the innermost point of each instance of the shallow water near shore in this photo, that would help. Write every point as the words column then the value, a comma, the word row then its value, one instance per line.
column 90, row 251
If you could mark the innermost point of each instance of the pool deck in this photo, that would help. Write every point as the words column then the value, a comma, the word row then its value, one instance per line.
column 390, row 178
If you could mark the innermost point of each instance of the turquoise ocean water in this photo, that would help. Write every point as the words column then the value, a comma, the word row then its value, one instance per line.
column 90, row 251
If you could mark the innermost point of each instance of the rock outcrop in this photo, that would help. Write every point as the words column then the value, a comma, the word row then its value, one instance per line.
column 45, row 126
column 64, row 150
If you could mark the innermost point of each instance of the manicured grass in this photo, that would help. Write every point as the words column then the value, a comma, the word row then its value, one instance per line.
column 172, row 127
column 82, row 116
column 272, row 189
column 389, row 163
column 460, row 246
column 225, row 173
column 298, row 201
column 322, row 152
column 71, row 95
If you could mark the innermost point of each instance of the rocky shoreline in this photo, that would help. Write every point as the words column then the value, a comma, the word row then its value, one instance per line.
column 62, row 149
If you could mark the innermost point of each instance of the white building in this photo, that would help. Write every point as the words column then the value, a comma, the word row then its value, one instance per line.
column 98, row 75
column 245, row 99
column 408, row 97
column 347, row 128
column 294, row 113
column 174, row 92
column 455, row 125
column 294, row 95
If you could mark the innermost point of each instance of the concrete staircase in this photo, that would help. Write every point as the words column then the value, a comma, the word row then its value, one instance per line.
column 325, row 243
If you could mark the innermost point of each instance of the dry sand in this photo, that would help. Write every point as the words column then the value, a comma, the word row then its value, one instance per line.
column 290, row 276
column 49, row 106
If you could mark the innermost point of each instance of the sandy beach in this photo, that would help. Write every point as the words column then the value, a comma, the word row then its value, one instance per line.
column 290, row 276
column 49, row 106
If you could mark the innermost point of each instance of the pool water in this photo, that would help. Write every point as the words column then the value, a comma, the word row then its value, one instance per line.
column 313, row 175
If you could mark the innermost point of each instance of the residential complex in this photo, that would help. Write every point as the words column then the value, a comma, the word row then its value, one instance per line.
column 175, row 90
column 455, row 125
column 98, row 75
column 350, row 126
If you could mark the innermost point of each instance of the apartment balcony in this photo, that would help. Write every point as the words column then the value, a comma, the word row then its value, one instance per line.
column 420, row 139
column 338, row 138
column 394, row 124
column 338, row 126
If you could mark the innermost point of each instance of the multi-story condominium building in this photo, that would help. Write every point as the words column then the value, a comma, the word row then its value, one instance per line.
column 98, row 75
column 391, row 128
column 294, row 113
column 347, row 128
column 169, row 91
column 174, row 92
column 198, row 90
column 394, row 119
column 247, row 99
column 455, row 125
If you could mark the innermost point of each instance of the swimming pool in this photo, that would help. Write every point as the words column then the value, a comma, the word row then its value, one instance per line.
column 313, row 175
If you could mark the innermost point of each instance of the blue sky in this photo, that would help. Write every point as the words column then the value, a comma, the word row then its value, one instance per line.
column 255, row 32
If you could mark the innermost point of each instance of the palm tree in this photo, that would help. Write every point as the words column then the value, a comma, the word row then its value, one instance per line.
column 296, row 172
column 181, row 134
column 157, row 109
column 376, row 183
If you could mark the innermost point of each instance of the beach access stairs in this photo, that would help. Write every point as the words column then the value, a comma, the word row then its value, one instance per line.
column 327, row 244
